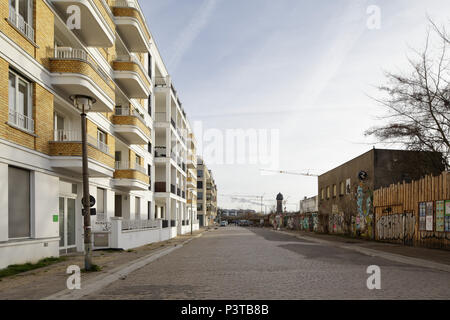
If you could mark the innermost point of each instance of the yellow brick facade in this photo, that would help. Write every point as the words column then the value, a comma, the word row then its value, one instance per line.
column 130, row 66
column 131, row 121
column 73, row 149
column 132, row 13
column 84, row 68
column 43, row 26
column 131, row 174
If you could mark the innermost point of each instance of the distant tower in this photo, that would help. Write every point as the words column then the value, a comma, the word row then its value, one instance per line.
column 279, row 203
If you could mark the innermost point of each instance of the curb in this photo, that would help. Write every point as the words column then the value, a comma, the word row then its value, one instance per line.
column 377, row 253
column 113, row 275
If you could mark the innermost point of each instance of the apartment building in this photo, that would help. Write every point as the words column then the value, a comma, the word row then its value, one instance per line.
column 192, row 179
column 46, row 59
column 206, row 194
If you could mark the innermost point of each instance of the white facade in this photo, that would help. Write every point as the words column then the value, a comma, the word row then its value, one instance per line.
column 54, row 224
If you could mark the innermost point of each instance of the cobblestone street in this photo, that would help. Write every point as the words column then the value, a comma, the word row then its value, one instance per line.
column 241, row 263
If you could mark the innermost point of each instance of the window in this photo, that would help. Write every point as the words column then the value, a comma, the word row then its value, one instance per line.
column 150, row 147
column 118, row 156
column 334, row 191
column 19, row 209
column 200, row 173
column 138, row 160
column 21, row 16
column 199, row 184
column 137, row 207
column 100, row 201
column 200, row 196
column 101, row 136
column 342, row 188
column 20, row 110
column 323, row 194
column 328, row 192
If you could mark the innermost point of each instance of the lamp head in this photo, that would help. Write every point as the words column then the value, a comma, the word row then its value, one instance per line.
column 81, row 101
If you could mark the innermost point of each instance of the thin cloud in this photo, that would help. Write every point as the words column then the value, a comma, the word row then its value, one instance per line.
column 187, row 37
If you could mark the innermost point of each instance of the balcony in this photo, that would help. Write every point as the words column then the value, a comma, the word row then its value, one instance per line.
column 130, row 177
column 97, row 25
column 130, row 25
column 131, row 126
column 76, row 73
column 192, row 162
column 191, row 182
column 160, row 152
column 131, row 77
column 66, row 151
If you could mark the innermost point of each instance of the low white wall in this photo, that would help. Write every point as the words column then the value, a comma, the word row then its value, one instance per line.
column 138, row 238
column 129, row 239
column 165, row 234
column 196, row 226
column 27, row 251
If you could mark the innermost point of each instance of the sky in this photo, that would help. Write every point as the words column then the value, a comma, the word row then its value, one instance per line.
column 301, row 74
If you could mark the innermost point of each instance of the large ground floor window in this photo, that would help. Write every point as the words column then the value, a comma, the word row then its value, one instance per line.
column 19, row 209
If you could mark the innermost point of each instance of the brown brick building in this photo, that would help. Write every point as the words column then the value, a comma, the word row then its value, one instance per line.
column 346, row 192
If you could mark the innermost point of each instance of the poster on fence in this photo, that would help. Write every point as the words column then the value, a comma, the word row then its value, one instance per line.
column 430, row 216
column 440, row 216
column 422, row 216
column 447, row 216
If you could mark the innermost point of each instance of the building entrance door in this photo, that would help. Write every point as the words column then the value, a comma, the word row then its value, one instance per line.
column 67, row 228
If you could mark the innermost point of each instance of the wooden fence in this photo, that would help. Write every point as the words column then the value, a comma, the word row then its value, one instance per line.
column 416, row 213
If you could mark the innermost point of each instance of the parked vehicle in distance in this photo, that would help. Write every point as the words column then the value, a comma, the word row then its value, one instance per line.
column 224, row 223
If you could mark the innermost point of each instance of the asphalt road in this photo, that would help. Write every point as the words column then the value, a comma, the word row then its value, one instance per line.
column 240, row 263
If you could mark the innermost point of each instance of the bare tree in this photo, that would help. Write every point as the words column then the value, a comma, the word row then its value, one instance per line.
column 418, row 102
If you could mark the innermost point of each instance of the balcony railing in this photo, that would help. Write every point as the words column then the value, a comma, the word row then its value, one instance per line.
column 160, row 152
column 98, row 144
column 67, row 136
column 131, row 58
column 70, row 53
column 160, row 82
column 125, row 4
column 125, row 165
column 139, row 224
column 21, row 121
column 127, row 111
column 19, row 22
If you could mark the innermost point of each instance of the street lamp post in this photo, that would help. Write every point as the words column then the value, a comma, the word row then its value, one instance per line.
column 84, row 104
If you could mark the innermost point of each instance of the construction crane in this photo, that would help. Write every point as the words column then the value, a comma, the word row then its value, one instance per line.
column 290, row 172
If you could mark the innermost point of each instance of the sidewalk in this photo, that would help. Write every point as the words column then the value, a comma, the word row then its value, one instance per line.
column 41, row 283
column 432, row 255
